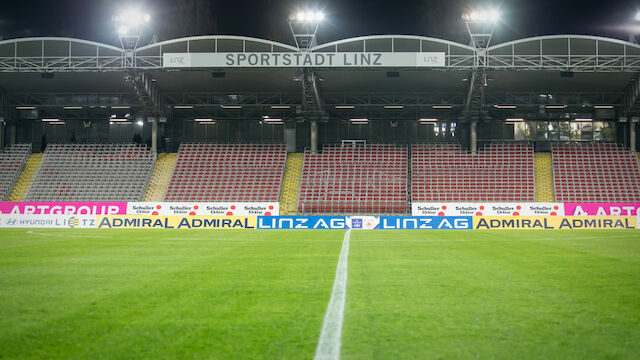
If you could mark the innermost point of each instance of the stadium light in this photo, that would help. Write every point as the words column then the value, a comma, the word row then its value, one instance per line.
column 129, row 25
column 25, row 107
column 583, row 119
column 638, row 16
column 307, row 17
column 280, row 107
column 50, row 120
column 506, row 107
column 425, row 121
column 72, row 107
column 483, row 16
column 442, row 107
column 304, row 26
column 183, row 107
column 140, row 123
column 344, row 107
column 603, row 106
column 394, row 107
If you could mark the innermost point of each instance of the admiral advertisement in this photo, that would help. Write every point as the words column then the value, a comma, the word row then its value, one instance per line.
column 304, row 59
column 47, row 221
column 58, row 208
column 554, row 223
column 583, row 209
column 175, row 222
column 487, row 209
column 202, row 209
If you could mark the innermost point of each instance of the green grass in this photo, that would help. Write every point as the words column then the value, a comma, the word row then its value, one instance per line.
column 262, row 294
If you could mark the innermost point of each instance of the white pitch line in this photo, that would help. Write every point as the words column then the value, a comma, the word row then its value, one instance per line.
column 63, row 235
column 331, row 334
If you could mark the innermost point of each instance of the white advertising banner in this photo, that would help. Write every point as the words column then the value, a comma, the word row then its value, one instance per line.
column 487, row 209
column 47, row 221
column 205, row 208
column 304, row 59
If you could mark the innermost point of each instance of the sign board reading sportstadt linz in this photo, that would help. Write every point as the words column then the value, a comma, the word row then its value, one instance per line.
column 304, row 59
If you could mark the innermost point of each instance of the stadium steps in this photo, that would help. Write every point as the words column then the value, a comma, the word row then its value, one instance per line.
column 161, row 177
column 544, row 177
column 291, row 183
column 28, row 174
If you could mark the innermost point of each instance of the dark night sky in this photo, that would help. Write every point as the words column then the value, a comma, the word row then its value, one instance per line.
column 91, row 19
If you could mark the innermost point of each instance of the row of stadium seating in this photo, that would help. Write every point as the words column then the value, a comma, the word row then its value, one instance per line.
column 93, row 172
column 499, row 173
column 223, row 172
column 595, row 172
column 370, row 179
column 363, row 179
column 12, row 161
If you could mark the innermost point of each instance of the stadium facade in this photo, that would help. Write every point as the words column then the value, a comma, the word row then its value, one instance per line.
column 411, row 89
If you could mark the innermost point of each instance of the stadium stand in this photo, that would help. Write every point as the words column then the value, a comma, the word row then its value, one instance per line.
column 12, row 161
column 499, row 172
column 369, row 179
column 595, row 172
column 93, row 172
column 227, row 172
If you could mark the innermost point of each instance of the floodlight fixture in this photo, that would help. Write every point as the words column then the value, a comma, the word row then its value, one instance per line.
column 50, row 120
column 280, row 106
column 480, row 25
column 514, row 120
column 140, row 123
column 603, row 106
column 503, row 107
column 638, row 16
column 344, row 107
column 442, row 107
column 583, row 119
column 72, row 107
column 428, row 121
column 25, row 107
column 129, row 25
column 394, row 107
column 304, row 26
column 482, row 16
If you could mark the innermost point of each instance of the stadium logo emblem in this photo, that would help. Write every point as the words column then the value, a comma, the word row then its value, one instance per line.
column 74, row 222
column 356, row 223
column 11, row 222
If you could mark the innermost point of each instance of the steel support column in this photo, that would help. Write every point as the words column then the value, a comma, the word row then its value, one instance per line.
column 473, row 144
column 632, row 135
column 154, row 135
column 314, row 136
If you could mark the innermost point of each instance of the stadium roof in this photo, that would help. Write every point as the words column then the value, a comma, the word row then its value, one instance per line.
column 584, row 68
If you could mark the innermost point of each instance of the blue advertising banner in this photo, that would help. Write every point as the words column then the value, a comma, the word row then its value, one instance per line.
column 426, row 222
column 366, row 222
column 302, row 222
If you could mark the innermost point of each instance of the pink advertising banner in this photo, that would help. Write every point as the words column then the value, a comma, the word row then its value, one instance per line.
column 63, row 208
column 614, row 209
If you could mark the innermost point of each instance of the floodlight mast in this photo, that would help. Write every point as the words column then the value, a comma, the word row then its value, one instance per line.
column 480, row 25
column 304, row 27
column 129, row 25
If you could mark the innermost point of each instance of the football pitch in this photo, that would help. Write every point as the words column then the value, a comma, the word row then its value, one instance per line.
column 139, row 294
